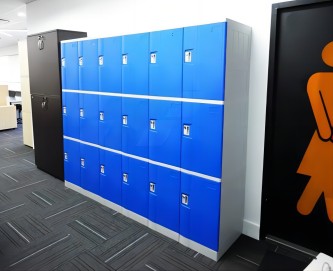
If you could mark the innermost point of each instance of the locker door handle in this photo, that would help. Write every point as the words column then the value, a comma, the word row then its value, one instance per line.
column 184, row 199
column 40, row 42
column 45, row 103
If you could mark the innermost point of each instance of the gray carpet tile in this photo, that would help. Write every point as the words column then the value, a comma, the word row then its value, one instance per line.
column 46, row 226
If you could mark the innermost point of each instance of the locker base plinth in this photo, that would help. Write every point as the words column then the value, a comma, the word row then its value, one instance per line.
column 94, row 197
column 138, row 218
column 163, row 230
column 214, row 255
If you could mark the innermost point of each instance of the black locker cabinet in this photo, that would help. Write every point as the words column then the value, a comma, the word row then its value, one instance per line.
column 45, row 88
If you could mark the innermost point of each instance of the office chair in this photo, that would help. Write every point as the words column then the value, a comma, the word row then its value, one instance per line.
column 19, row 109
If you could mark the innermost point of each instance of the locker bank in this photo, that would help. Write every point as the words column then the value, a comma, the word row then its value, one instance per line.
column 153, row 124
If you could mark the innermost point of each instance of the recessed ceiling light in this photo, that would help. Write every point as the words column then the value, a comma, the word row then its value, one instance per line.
column 21, row 14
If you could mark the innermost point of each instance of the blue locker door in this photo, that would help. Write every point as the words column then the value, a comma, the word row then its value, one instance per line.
column 71, row 114
column 164, row 190
column 200, row 210
column 202, row 138
column 204, row 61
column 69, row 65
column 90, row 168
column 110, row 122
column 88, row 65
column 110, row 176
column 135, row 186
column 135, row 59
column 165, row 132
column 89, row 118
column 72, row 162
column 166, row 60
column 135, row 126
column 109, row 52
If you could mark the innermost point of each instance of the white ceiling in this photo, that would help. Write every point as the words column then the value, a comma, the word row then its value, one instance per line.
column 12, row 26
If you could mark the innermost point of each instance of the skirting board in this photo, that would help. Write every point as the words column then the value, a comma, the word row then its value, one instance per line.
column 251, row 229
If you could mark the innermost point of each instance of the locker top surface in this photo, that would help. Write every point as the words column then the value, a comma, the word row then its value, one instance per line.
column 80, row 34
column 148, row 31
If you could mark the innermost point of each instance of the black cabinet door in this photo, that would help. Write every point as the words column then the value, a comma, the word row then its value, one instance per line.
column 44, row 68
column 47, row 124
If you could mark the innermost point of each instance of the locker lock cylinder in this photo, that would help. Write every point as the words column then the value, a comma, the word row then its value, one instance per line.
column 64, row 110
column 102, row 169
column 65, row 156
column 184, row 199
column 152, row 187
column 125, row 120
column 125, row 59
column 81, row 112
column 125, row 177
column 101, row 60
column 152, row 124
column 82, row 162
column 101, row 116
column 186, row 129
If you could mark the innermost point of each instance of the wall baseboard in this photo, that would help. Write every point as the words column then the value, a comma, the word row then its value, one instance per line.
column 251, row 229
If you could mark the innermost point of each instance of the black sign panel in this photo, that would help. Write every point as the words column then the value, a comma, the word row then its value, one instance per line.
column 297, row 203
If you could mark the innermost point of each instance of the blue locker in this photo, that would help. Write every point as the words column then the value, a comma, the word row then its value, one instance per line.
column 202, row 138
column 69, row 65
column 135, row 126
column 90, row 168
column 200, row 210
column 89, row 118
column 135, row 61
column 71, row 114
column 135, row 186
column 166, row 60
column 164, row 191
column 110, row 176
column 110, row 122
column 72, row 162
column 109, row 59
column 88, row 65
column 165, row 131
column 204, row 61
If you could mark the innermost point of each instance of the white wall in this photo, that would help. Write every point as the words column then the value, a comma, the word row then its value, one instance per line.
column 10, row 68
column 117, row 17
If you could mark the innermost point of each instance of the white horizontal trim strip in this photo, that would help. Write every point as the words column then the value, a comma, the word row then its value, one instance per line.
column 204, row 176
column 193, row 173
column 147, row 97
